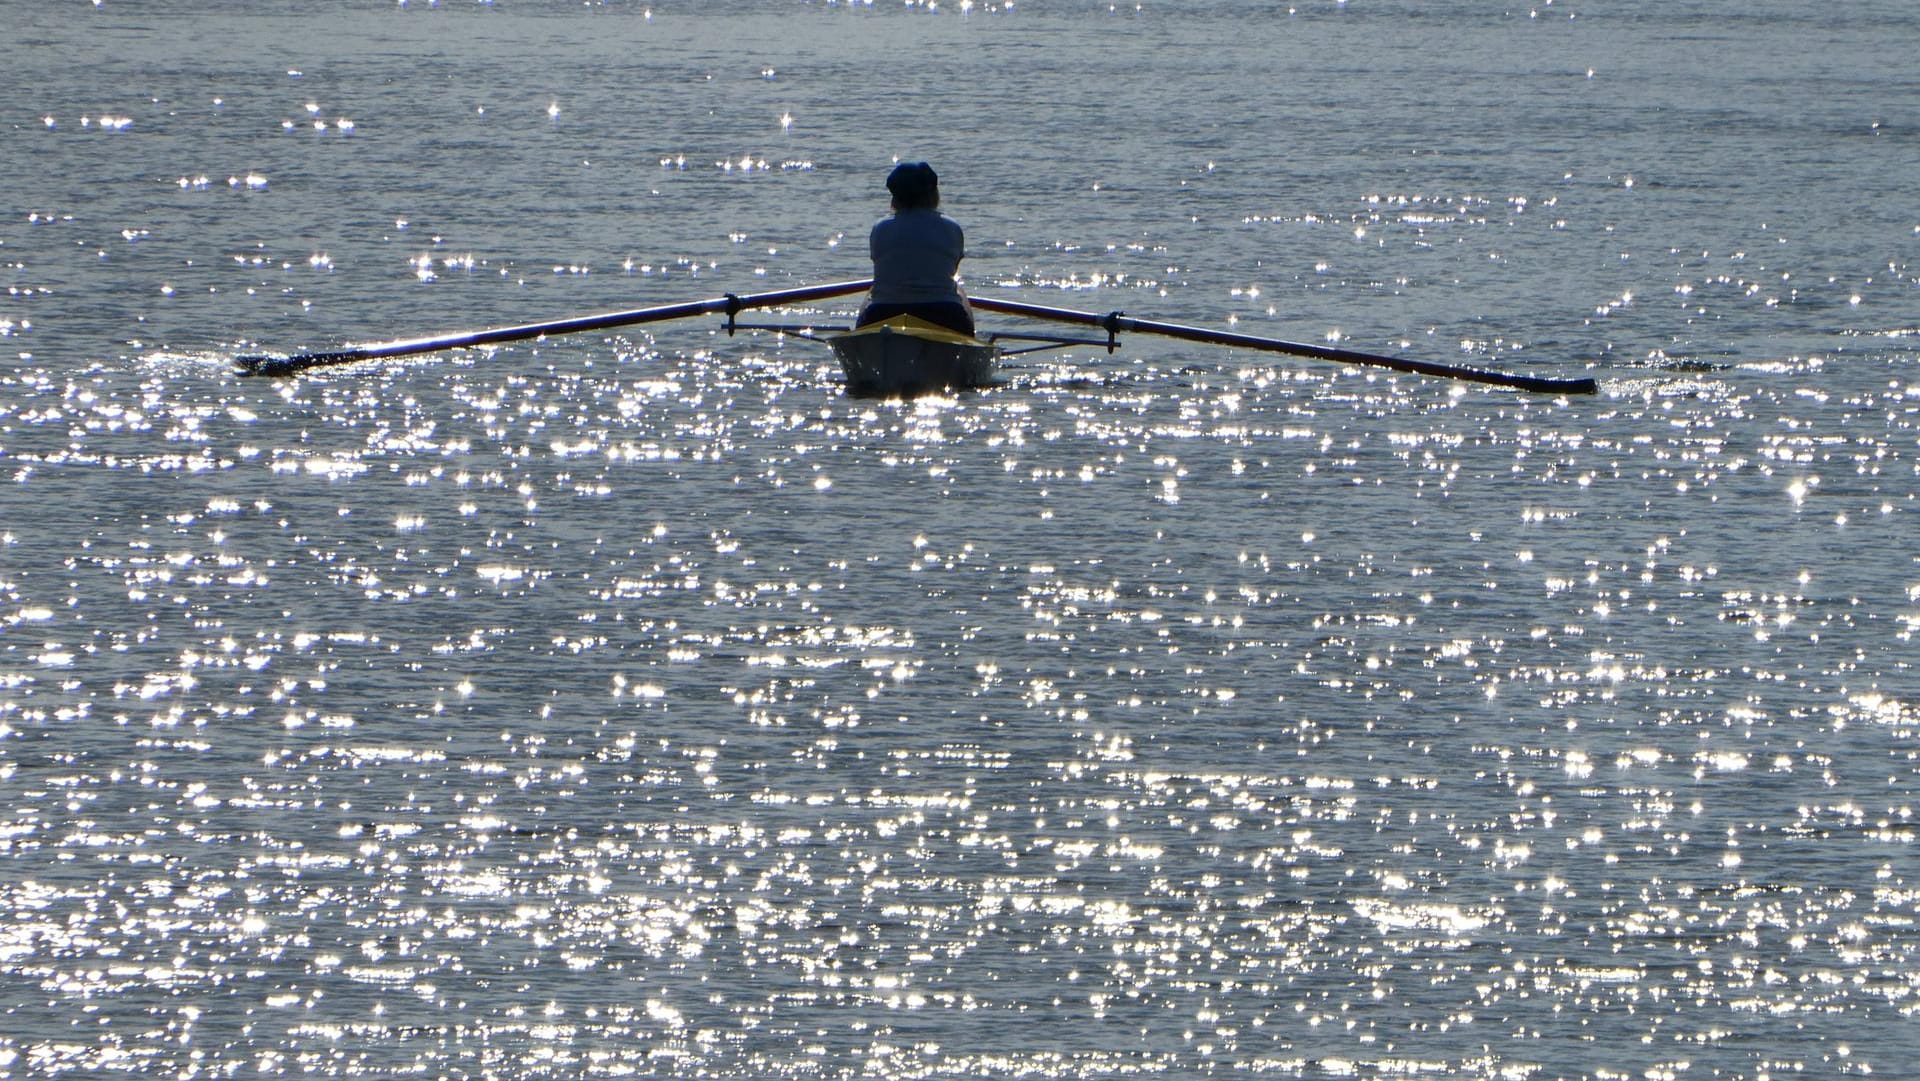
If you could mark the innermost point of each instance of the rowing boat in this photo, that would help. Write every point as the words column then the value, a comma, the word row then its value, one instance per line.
column 903, row 355
column 906, row 355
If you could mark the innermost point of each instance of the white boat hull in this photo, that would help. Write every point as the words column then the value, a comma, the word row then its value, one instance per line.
column 905, row 355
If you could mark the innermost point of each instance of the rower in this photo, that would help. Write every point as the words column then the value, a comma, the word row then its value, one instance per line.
column 916, row 255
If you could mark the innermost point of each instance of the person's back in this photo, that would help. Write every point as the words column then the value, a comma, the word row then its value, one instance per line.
column 916, row 255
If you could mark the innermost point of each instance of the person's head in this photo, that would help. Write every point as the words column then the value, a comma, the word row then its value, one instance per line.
column 914, row 186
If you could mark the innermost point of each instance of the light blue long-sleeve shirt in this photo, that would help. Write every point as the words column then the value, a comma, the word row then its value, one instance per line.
column 916, row 255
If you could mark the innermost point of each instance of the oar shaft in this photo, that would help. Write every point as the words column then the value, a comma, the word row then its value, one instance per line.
column 1117, row 323
column 270, row 365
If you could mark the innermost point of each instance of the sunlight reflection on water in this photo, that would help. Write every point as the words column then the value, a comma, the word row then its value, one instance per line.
column 645, row 705
column 392, row 734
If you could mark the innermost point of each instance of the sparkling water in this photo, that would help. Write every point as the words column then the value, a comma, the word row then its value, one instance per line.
column 640, row 704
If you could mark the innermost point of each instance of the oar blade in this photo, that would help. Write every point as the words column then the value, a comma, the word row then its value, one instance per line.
column 273, row 366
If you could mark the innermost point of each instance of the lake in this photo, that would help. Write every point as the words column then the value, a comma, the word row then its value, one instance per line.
column 641, row 704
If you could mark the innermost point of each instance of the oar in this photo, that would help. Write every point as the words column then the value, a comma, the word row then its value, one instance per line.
column 729, row 304
column 1118, row 322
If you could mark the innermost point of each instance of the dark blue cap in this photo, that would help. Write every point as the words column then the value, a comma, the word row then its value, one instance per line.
column 912, row 180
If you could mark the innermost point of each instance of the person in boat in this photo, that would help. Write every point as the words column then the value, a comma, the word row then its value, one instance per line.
column 916, row 255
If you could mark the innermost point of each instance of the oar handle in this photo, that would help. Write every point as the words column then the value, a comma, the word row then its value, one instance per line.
column 1115, row 322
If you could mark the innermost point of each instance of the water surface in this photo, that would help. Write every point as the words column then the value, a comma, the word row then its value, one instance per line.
column 642, row 704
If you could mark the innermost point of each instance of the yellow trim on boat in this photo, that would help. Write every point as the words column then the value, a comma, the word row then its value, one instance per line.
column 916, row 326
